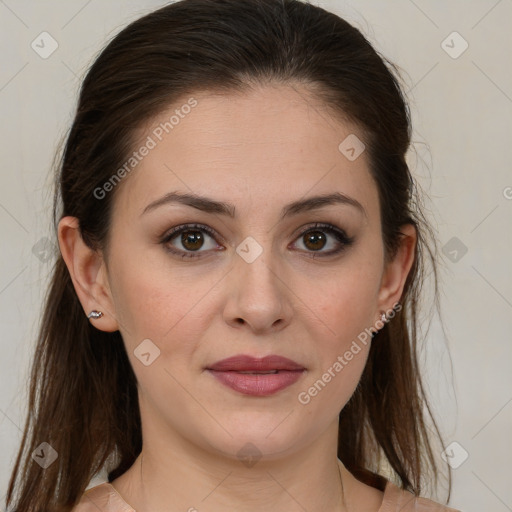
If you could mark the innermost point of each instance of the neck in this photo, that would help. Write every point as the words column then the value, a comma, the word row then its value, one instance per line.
column 177, row 476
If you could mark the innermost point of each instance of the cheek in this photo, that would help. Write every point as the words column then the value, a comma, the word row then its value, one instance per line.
column 169, row 304
column 345, row 308
column 152, row 302
column 347, row 303
column 165, row 308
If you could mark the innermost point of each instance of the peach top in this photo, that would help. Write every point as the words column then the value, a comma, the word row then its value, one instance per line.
column 105, row 498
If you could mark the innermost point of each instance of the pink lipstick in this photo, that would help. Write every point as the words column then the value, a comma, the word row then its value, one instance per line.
column 257, row 376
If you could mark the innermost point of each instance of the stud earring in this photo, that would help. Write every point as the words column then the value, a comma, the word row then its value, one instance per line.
column 383, row 318
column 95, row 314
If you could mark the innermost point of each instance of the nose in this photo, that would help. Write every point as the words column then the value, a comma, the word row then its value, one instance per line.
column 258, row 296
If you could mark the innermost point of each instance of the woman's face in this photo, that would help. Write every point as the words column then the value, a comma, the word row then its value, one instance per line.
column 261, row 281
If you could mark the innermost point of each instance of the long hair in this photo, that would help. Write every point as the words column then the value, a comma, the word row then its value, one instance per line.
column 83, row 393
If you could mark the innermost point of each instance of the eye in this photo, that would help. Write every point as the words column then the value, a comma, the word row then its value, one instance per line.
column 192, row 239
column 314, row 239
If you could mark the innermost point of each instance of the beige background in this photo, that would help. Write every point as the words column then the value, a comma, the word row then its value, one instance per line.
column 461, row 155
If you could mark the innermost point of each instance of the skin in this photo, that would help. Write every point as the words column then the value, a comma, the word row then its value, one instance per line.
column 259, row 151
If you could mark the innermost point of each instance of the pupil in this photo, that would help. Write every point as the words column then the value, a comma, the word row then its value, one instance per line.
column 316, row 237
column 195, row 238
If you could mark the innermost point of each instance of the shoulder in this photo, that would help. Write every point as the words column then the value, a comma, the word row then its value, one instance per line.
column 405, row 501
column 102, row 498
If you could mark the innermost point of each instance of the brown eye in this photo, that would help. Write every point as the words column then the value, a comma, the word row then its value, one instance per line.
column 315, row 240
column 186, row 240
column 192, row 240
column 320, row 236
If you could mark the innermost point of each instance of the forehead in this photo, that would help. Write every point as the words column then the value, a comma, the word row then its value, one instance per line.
column 272, row 144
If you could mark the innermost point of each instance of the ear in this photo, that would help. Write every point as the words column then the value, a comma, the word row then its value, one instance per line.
column 88, row 274
column 397, row 270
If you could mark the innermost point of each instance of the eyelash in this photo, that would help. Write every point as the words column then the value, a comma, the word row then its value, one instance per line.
column 339, row 234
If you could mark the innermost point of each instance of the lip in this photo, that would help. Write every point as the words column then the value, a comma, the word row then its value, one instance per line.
column 228, row 373
column 257, row 384
column 242, row 362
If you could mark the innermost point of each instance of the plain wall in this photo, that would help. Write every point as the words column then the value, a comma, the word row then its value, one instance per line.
column 461, row 155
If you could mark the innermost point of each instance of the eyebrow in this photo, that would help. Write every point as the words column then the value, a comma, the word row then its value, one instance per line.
column 209, row 205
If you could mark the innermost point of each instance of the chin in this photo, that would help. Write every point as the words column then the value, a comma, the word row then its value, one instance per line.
column 259, row 437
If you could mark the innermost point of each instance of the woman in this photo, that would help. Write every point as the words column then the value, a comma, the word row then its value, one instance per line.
column 231, row 323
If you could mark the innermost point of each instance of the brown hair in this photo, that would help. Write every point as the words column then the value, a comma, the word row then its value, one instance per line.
column 83, row 393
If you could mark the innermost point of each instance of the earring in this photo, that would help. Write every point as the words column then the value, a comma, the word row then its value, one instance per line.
column 95, row 314
column 383, row 318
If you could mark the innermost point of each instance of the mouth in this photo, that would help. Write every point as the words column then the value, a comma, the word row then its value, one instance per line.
column 259, row 373
column 257, row 383
column 253, row 376
column 248, row 364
